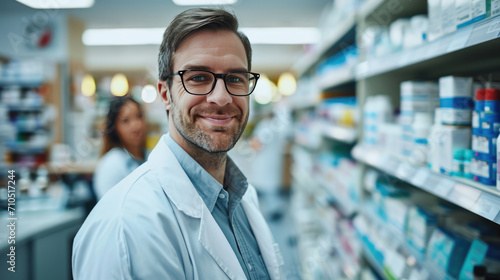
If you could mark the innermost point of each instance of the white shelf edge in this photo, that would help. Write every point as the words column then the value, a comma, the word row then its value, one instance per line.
column 475, row 197
column 342, row 75
column 455, row 41
column 339, row 133
column 308, row 61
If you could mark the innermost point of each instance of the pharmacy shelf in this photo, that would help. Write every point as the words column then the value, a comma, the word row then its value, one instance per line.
column 340, row 195
column 21, row 83
column 339, row 133
column 375, row 265
column 336, row 78
column 475, row 197
column 451, row 45
column 23, row 108
column 342, row 33
column 433, row 272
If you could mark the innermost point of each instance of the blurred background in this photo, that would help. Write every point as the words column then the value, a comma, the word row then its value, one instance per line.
column 371, row 139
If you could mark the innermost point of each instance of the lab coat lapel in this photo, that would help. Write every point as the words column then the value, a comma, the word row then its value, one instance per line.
column 264, row 238
column 215, row 242
column 186, row 199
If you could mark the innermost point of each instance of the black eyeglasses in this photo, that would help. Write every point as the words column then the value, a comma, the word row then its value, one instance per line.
column 202, row 82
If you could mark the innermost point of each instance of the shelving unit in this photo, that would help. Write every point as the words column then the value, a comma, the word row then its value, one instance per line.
column 339, row 133
column 28, row 131
column 477, row 198
column 470, row 51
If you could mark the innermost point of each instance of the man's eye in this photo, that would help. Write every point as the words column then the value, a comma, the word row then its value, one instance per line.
column 235, row 79
column 199, row 78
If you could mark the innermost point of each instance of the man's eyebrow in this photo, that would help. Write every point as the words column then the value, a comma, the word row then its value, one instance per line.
column 196, row 67
column 206, row 68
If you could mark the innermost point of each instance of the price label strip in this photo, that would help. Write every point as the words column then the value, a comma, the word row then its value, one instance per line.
column 464, row 196
column 444, row 187
column 420, row 177
column 460, row 38
column 487, row 206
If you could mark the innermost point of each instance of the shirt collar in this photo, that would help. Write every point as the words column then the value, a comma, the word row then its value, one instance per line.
column 207, row 186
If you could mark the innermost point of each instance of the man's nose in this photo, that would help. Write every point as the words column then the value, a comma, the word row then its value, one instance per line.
column 219, row 94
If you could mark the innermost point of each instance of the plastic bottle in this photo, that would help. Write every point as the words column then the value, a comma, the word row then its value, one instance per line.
column 478, row 109
column 421, row 127
column 433, row 142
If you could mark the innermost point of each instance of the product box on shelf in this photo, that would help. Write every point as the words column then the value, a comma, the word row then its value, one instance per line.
column 420, row 225
column 455, row 94
column 448, row 16
column 434, row 14
column 447, row 251
column 463, row 10
column 452, row 138
column 480, row 253
column 484, row 169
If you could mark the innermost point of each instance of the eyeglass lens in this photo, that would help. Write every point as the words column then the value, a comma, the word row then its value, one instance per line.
column 202, row 82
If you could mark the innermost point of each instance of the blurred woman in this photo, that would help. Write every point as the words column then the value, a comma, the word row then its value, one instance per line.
column 124, row 144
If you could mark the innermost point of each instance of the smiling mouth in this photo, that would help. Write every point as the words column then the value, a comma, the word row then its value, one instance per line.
column 217, row 120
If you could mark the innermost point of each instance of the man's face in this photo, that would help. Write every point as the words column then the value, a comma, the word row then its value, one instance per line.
column 213, row 122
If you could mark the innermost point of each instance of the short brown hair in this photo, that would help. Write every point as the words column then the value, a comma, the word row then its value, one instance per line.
column 190, row 21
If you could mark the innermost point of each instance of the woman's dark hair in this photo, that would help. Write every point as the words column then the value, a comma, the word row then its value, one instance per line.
column 111, row 139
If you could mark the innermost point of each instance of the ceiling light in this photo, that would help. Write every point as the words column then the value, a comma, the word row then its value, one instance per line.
column 154, row 36
column 123, row 36
column 119, row 85
column 203, row 2
column 148, row 94
column 57, row 4
column 287, row 84
column 88, row 85
column 263, row 93
column 282, row 35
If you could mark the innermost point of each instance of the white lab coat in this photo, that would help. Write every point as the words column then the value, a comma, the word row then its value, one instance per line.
column 154, row 225
column 111, row 169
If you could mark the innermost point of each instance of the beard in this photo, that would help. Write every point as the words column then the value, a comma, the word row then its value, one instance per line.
column 218, row 139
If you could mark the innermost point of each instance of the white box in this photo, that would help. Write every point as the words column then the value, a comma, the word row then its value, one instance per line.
column 495, row 8
column 451, row 86
column 434, row 13
column 463, row 9
column 419, row 88
column 452, row 138
column 448, row 16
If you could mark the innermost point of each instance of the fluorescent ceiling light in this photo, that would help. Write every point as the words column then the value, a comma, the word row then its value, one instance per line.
column 57, row 4
column 123, row 36
column 282, row 35
column 153, row 36
column 203, row 2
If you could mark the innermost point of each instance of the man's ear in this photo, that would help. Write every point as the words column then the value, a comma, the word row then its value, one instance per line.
column 163, row 91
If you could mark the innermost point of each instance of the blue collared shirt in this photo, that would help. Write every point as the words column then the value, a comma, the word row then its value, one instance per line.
column 224, row 204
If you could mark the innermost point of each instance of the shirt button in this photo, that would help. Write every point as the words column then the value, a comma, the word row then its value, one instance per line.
column 249, row 267
column 221, row 195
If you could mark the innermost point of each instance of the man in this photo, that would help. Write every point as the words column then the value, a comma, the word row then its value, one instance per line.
column 188, row 212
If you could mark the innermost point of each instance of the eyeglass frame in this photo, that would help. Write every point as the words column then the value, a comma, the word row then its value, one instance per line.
column 180, row 73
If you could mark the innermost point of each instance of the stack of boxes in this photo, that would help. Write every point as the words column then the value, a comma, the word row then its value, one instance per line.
column 485, row 128
column 456, row 104
column 416, row 98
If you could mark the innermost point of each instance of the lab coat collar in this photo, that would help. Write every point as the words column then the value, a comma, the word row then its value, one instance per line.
column 171, row 176
column 187, row 200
